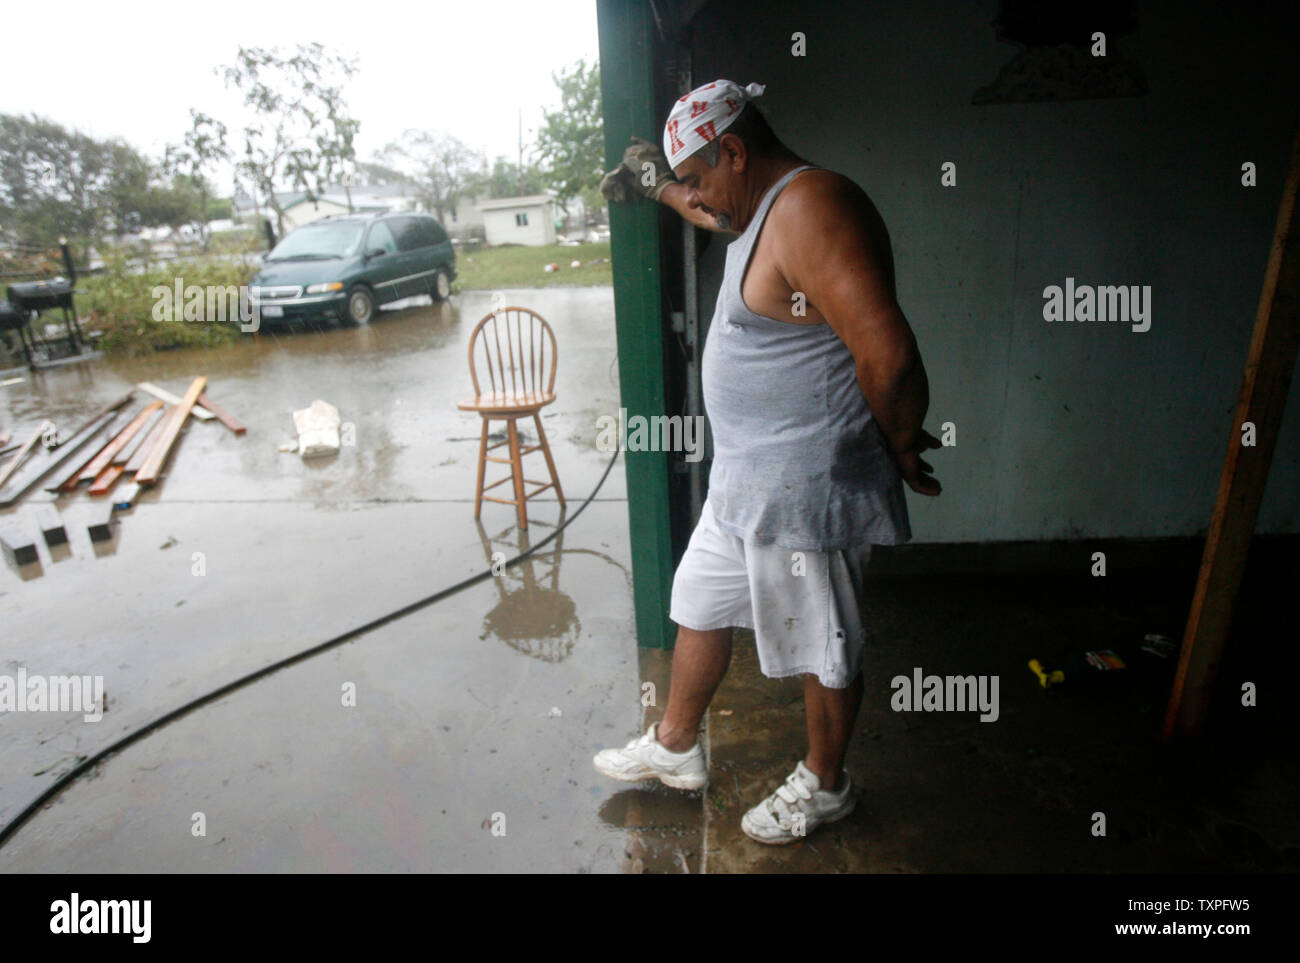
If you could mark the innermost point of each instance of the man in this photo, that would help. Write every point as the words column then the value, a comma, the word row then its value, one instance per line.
column 816, row 393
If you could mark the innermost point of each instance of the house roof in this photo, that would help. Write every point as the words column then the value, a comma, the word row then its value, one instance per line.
column 304, row 199
column 529, row 200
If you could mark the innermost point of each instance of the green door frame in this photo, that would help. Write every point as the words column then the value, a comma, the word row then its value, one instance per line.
column 627, row 97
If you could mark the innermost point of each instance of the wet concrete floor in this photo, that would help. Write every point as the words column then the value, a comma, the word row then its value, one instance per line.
column 475, row 720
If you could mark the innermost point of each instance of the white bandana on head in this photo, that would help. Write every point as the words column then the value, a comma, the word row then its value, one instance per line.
column 702, row 115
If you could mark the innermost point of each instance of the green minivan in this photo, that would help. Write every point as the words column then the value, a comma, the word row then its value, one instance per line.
column 343, row 267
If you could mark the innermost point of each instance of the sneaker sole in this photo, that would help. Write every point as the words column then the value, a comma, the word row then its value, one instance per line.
column 674, row 782
column 789, row 840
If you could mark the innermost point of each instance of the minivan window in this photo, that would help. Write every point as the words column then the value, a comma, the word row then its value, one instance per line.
column 424, row 230
column 381, row 237
column 409, row 235
column 318, row 242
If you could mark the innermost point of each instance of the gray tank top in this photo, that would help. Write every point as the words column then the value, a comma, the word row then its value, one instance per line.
column 798, row 459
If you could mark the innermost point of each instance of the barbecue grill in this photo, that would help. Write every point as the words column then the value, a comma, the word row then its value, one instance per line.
column 15, row 319
column 27, row 298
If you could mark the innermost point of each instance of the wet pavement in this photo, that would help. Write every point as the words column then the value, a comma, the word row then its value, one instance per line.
column 469, row 744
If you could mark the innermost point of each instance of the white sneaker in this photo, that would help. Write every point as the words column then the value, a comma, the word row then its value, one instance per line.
column 646, row 758
column 797, row 807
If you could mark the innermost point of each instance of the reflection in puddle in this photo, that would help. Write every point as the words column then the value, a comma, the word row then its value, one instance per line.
column 533, row 616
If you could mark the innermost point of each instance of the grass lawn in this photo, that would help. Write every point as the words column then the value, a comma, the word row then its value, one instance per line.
column 489, row 269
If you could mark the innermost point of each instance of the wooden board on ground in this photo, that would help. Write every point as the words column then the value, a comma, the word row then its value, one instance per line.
column 124, row 456
column 12, row 465
column 62, row 456
column 100, row 528
column 66, row 481
column 163, row 394
column 109, row 451
column 17, row 543
column 223, row 416
column 106, row 479
column 153, row 465
column 137, row 460
column 51, row 525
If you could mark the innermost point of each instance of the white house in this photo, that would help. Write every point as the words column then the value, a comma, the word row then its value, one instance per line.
column 526, row 220
column 304, row 211
column 464, row 218
column 301, row 208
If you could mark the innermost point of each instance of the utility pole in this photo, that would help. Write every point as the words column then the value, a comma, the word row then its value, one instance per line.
column 521, row 152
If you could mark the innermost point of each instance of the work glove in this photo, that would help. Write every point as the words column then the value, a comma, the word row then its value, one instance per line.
column 644, row 169
column 616, row 185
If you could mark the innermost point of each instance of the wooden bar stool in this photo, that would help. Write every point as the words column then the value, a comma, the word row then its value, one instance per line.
column 510, row 347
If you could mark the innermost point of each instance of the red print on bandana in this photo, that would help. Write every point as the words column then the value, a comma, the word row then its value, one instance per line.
column 674, row 141
column 706, row 131
column 698, row 107
column 732, row 106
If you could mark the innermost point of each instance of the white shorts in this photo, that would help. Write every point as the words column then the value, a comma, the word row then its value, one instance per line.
column 804, row 606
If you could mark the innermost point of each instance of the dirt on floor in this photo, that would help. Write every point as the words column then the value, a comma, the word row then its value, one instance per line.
column 943, row 792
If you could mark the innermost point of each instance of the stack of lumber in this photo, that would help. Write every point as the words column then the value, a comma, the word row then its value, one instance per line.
column 114, row 443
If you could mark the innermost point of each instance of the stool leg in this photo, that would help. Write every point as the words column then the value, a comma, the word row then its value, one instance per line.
column 546, row 450
column 517, row 474
column 482, row 464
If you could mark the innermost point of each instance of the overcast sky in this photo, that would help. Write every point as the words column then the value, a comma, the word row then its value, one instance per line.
column 134, row 69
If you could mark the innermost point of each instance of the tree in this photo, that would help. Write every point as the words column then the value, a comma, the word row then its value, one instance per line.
column 135, row 197
column 439, row 167
column 506, row 180
column 570, row 143
column 51, row 179
column 380, row 175
column 203, row 147
column 56, row 182
column 303, row 136
column 219, row 209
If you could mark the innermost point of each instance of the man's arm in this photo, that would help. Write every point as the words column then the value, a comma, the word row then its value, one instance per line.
column 677, row 196
column 833, row 247
column 645, row 170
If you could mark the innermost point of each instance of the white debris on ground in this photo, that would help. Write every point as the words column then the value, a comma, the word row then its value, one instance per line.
column 318, row 429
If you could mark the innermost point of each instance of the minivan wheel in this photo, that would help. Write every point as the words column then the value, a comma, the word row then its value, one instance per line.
column 440, row 290
column 361, row 306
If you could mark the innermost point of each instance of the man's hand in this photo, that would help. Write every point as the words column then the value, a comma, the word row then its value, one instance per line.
column 616, row 185
column 644, row 169
column 915, row 470
column 649, row 168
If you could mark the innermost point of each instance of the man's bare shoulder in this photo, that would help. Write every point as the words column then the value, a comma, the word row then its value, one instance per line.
column 820, row 197
column 828, row 225
column 819, row 203
column 821, row 213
